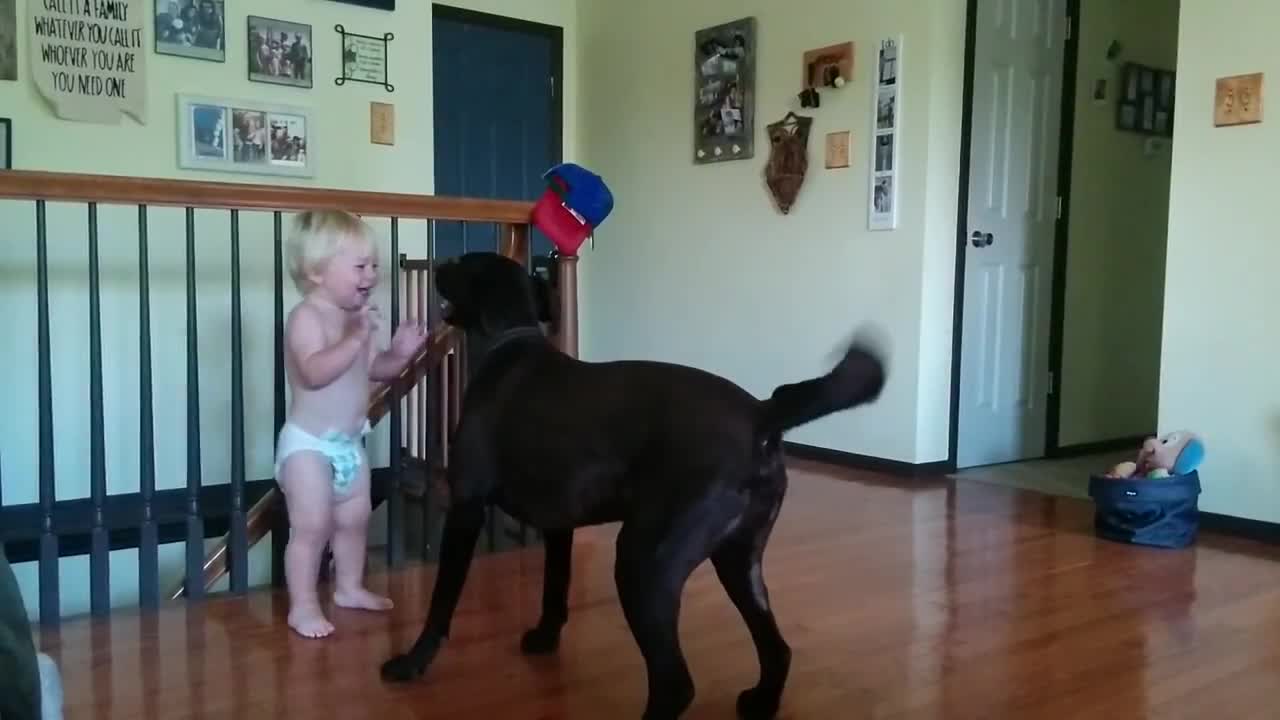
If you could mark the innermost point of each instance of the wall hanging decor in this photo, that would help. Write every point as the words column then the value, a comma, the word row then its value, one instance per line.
column 364, row 58
column 837, row 155
column 89, row 68
column 191, row 29
column 376, row 4
column 829, row 67
column 724, row 83
column 8, row 40
column 245, row 136
column 382, row 123
column 882, row 205
column 788, row 158
column 1237, row 100
column 279, row 52
column 1145, row 102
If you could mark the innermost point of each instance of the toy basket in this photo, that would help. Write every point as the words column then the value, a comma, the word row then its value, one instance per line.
column 1158, row 512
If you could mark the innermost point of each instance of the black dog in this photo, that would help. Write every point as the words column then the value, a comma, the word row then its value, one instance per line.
column 689, row 463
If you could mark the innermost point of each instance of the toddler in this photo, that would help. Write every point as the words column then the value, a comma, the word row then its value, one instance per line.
column 331, row 362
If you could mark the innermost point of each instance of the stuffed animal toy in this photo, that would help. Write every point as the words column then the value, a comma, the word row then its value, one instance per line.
column 1176, row 453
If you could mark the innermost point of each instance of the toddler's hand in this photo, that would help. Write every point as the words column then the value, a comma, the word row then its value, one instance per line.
column 408, row 338
column 368, row 321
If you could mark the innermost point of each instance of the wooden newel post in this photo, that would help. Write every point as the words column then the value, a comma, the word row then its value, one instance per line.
column 567, row 272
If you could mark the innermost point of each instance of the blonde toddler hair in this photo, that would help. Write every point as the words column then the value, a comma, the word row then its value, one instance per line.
column 316, row 236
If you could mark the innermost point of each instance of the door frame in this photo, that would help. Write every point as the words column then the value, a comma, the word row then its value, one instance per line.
column 1057, row 310
column 553, row 33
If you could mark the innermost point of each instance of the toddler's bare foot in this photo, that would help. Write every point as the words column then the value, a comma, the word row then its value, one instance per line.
column 309, row 622
column 361, row 599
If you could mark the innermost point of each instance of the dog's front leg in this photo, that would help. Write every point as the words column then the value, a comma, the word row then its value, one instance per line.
column 461, row 531
column 545, row 637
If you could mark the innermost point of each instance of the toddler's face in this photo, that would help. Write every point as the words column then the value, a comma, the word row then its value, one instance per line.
column 350, row 275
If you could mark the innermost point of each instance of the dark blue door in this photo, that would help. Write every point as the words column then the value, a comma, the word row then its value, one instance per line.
column 497, row 116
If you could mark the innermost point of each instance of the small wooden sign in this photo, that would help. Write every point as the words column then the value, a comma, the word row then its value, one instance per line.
column 1238, row 100
column 838, row 149
column 382, row 123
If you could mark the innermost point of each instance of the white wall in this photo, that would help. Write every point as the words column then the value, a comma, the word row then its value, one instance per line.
column 1118, row 232
column 346, row 159
column 1218, row 370
column 697, row 266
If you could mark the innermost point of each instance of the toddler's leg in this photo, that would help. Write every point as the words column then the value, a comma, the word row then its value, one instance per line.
column 306, row 478
column 351, row 546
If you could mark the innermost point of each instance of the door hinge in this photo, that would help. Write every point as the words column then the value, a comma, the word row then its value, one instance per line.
column 1052, row 387
column 552, row 79
column 1070, row 24
column 1059, row 207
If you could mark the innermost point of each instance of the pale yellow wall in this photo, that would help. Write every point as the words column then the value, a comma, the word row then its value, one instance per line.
column 697, row 266
column 345, row 158
column 1218, row 361
column 1118, row 223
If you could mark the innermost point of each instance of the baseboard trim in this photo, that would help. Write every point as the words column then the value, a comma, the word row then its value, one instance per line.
column 1243, row 528
column 868, row 463
column 1102, row 446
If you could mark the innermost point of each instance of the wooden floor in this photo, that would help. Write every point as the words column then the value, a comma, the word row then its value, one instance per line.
column 920, row 599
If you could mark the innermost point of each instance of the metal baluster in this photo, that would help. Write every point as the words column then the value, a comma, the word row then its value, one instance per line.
column 99, row 558
column 280, row 513
column 395, row 495
column 239, row 545
column 195, row 523
column 149, row 544
column 50, row 611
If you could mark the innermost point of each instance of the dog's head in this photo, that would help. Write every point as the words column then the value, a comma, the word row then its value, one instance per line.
column 488, row 293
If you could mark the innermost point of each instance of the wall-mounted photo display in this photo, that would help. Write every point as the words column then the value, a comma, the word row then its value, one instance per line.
column 279, row 52
column 1145, row 102
column 245, row 136
column 192, row 28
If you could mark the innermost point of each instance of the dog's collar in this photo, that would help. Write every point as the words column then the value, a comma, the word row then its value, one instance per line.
column 512, row 335
column 495, row 342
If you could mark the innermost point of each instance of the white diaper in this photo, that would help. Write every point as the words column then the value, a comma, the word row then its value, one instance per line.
column 343, row 451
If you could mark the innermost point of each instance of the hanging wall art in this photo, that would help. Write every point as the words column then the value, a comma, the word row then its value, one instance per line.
column 724, row 84
column 364, row 58
column 788, row 159
column 882, row 211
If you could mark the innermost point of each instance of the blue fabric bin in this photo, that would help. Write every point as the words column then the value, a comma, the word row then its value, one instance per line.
column 1159, row 512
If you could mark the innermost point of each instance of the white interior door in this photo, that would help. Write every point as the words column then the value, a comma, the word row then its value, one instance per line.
column 1013, row 209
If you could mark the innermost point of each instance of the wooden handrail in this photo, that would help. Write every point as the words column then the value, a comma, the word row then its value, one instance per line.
column 67, row 187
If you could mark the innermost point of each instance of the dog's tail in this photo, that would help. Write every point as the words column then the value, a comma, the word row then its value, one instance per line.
column 856, row 379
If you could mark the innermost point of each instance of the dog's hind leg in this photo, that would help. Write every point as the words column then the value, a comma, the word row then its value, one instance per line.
column 545, row 637
column 738, row 565
column 461, row 532
column 655, row 556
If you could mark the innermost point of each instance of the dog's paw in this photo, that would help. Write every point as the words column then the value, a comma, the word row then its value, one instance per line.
column 540, row 641
column 756, row 704
column 402, row 669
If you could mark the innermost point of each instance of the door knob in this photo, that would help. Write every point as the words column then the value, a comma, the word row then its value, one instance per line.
column 981, row 239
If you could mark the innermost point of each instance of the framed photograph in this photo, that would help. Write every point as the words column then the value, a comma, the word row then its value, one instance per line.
column 1146, row 107
column 6, row 142
column 192, row 29
column 376, row 4
column 279, row 52
column 882, row 203
column 245, row 136
column 724, row 70
column 8, row 40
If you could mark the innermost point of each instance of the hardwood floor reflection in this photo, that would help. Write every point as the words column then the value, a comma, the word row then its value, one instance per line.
column 901, row 599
